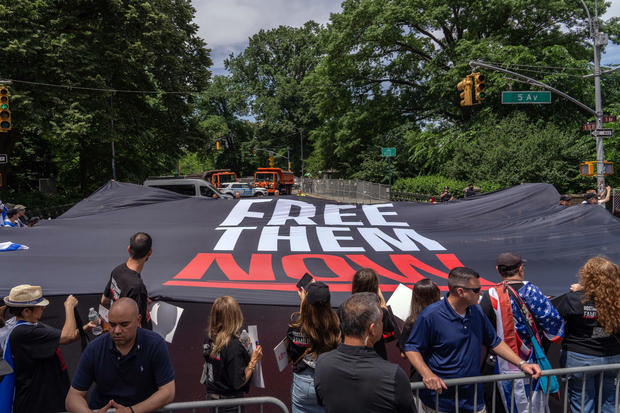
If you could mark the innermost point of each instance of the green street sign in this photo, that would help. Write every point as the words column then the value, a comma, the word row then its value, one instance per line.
column 525, row 97
column 388, row 151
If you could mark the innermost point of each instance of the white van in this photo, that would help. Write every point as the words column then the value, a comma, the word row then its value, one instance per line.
column 187, row 186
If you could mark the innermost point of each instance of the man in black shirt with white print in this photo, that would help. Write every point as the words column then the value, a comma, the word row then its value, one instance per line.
column 125, row 280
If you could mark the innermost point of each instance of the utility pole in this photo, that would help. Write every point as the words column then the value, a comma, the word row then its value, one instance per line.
column 598, row 40
column 301, row 144
column 112, row 139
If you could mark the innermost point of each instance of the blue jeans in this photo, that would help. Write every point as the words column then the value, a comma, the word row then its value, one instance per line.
column 573, row 359
column 303, row 395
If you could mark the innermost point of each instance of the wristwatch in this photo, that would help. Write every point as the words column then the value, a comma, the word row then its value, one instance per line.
column 521, row 363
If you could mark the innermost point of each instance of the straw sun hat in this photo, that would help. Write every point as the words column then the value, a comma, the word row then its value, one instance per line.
column 26, row 295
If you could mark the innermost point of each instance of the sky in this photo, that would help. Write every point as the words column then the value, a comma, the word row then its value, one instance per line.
column 226, row 25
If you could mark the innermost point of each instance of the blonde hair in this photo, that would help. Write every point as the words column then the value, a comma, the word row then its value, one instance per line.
column 600, row 279
column 225, row 322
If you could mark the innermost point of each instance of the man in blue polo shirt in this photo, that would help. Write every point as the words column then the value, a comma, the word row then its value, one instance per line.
column 447, row 340
column 130, row 367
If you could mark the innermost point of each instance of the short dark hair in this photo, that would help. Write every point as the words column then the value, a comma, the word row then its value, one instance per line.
column 139, row 245
column 358, row 312
column 365, row 280
column 460, row 276
column 17, row 311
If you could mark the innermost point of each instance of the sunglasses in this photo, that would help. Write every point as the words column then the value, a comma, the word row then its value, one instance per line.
column 474, row 290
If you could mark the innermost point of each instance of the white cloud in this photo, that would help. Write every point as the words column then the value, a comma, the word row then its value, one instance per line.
column 226, row 25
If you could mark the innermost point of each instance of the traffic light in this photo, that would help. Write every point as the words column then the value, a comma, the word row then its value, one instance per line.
column 466, row 86
column 479, row 93
column 217, row 145
column 589, row 168
column 5, row 112
column 271, row 165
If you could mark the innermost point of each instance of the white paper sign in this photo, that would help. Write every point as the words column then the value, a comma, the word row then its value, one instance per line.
column 103, row 313
column 281, row 354
column 257, row 379
column 400, row 301
column 165, row 318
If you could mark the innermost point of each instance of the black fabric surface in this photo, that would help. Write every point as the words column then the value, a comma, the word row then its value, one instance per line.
column 76, row 252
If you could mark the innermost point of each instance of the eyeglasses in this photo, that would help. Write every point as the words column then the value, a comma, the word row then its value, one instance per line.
column 474, row 290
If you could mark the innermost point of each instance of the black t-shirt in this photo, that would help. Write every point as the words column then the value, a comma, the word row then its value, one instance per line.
column 354, row 379
column 125, row 282
column 297, row 345
column 446, row 197
column 41, row 379
column 226, row 369
column 583, row 332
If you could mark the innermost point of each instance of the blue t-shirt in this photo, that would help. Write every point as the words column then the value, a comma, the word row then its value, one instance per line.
column 128, row 379
column 451, row 346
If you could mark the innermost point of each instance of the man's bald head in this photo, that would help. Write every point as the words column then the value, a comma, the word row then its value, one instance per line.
column 124, row 322
column 125, row 306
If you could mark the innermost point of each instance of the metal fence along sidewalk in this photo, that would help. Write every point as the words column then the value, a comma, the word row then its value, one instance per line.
column 561, row 374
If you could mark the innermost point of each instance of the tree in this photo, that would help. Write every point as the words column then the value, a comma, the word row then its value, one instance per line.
column 403, row 59
column 269, row 75
column 121, row 46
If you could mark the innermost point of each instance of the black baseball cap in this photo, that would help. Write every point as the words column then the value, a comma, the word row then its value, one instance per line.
column 318, row 293
column 508, row 261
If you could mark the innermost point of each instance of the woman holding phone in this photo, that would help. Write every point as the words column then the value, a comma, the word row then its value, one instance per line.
column 314, row 329
column 229, row 366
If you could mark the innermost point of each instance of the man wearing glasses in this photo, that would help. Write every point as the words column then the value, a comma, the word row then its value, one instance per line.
column 519, row 310
column 447, row 340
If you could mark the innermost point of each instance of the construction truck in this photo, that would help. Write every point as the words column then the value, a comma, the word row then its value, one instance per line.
column 219, row 177
column 273, row 179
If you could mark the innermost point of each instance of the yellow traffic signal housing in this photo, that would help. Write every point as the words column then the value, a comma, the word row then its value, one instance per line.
column 5, row 112
column 271, row 163
column 588, row 168
column 217, row 145
column 479, row 88
column 466, row 86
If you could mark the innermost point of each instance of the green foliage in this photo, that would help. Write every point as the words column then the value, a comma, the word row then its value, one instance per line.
column 192, row 163
column 66, row 133
column 434, row 185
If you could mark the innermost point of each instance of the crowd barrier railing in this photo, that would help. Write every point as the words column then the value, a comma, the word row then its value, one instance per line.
column 588, row 372
column 196, row 406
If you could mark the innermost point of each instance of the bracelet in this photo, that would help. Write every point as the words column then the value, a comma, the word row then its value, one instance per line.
column 131, row 408
column 251, row 367
column 521, row 363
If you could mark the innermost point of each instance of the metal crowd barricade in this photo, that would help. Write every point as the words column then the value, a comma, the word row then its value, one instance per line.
column 213, row 404
column 202, row 405
column 347, row 190
column 589, row 371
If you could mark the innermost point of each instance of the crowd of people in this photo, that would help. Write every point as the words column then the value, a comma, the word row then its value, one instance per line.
column 338, row 357
column 15, row 216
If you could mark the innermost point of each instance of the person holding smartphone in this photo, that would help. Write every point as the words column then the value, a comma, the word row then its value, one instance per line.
column 314, row 329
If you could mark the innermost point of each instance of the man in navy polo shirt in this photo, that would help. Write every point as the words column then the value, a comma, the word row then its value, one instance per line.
column 130, row 367
column 447, row 340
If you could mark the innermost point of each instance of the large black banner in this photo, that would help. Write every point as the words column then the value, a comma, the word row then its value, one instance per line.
column 257, row 249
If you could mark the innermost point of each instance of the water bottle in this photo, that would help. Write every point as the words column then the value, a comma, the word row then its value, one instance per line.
column 94, row 316
column 246, row 341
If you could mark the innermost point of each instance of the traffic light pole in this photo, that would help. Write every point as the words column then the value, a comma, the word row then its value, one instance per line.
column 598, row 40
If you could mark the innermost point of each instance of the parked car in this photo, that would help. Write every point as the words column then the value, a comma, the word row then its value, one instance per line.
column 186, row 186
column 243, row 189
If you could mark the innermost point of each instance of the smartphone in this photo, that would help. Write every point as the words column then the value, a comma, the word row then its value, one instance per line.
column 304, row 282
